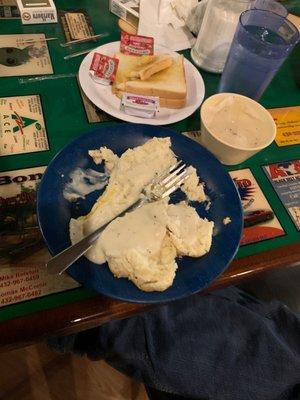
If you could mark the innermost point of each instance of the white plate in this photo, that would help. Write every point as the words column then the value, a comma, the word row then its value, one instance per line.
column 104, row 99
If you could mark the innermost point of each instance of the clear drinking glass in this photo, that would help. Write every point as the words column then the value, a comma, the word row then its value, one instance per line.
column 262, row 42
column 216, row 33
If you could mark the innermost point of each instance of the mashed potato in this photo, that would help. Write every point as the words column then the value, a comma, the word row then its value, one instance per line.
column 143, row 245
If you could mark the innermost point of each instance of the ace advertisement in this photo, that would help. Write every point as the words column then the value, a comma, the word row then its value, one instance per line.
column 22, row 125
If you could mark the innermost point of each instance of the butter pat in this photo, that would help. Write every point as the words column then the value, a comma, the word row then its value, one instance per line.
column 139, row 106
column 37, row 12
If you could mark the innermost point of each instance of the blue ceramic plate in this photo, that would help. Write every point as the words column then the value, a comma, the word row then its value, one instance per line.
column 193, row 274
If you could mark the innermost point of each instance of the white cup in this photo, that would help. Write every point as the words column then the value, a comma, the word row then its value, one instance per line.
column 235, row 127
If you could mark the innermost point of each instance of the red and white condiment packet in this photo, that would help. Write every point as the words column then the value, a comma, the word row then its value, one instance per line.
column 103, row 68
column 136, row 45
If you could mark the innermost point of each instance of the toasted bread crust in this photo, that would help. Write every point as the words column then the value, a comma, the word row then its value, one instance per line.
column 153, row 92
column 155, row 67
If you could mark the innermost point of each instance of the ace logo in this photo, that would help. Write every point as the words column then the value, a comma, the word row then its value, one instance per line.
column 20, row 123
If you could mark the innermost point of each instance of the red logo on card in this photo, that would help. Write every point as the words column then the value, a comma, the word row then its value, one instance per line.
column 136, row 45
column 104, row 67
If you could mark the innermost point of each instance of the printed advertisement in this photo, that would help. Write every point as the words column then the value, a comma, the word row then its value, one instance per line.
column 18, row 222
column 260, row 222
column 9, row 9
column 285, row 178
column 24, row 54
column 22, row 125
column 20, row 284
column 22, row 254
column 93, row 113
column 76, row 24
column 287, row 120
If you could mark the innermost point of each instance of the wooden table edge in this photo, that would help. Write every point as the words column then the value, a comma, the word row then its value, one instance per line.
column 89, row 313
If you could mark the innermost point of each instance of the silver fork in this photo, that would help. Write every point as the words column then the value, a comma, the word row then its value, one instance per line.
column 161, row 187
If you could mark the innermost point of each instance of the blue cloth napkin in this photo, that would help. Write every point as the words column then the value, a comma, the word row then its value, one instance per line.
column 223, row 346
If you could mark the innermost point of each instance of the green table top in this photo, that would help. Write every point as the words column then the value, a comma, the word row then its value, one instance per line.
column 66, row 119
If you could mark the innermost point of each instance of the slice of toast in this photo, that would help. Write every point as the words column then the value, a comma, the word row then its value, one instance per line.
column 128, row 68
column 168, row 83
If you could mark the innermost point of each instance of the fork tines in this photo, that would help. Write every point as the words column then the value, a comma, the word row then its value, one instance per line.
column 179, row 166
column 175, row 178
column 159, row 179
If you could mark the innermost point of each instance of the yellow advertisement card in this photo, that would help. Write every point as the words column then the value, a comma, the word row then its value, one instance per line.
column 287, row 120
